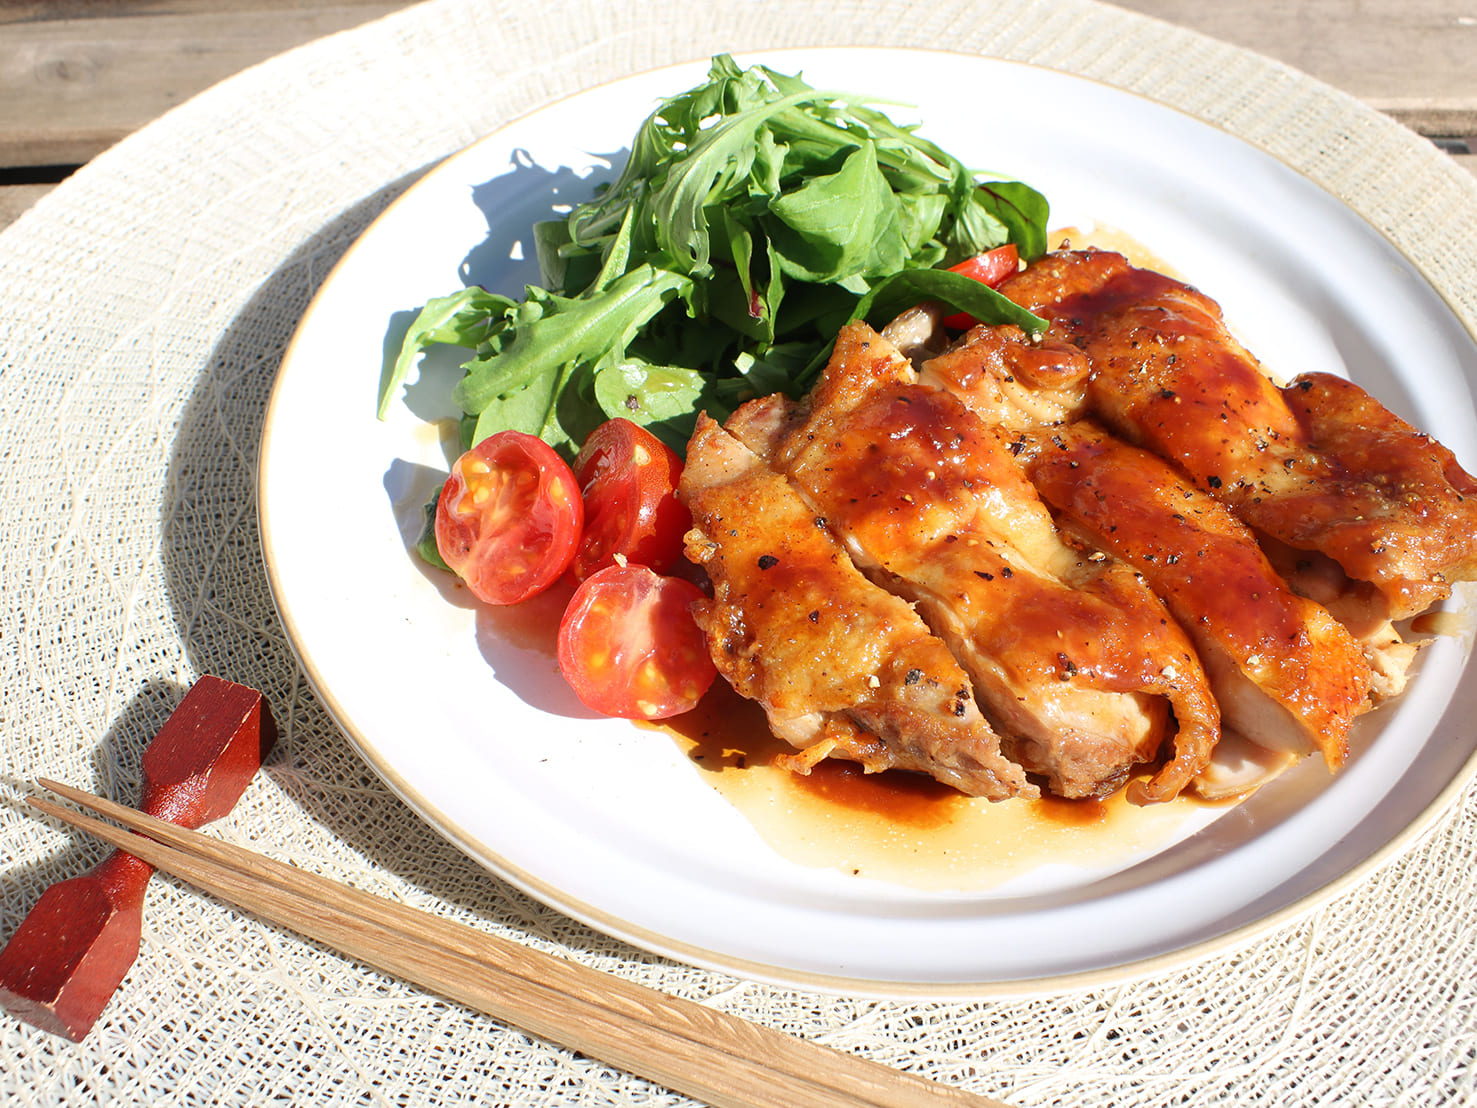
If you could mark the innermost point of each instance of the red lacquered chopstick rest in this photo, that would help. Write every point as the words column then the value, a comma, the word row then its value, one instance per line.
column 73, row 949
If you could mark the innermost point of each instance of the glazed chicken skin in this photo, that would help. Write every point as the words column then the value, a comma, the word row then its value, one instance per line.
column 1283, row 670
column 842, row 668
column 1073, row 658
column 1318, row 465
column 1402, row 514
column 1009, row 381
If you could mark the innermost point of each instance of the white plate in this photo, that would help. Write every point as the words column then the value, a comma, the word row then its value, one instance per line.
column 463, row 713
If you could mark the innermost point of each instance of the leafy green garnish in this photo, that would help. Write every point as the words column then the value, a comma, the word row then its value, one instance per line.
column 425, row 545
column 464, row 318
column 754, row 217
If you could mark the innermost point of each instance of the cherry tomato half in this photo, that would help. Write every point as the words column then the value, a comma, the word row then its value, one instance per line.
column 629, row 647
column 989, row 268
column 509, row 517
column 629, row 480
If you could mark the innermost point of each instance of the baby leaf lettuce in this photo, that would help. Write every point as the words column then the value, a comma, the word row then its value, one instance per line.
column 754, row 217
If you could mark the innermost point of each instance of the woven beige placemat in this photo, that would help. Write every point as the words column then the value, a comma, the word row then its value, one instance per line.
column 144, row 306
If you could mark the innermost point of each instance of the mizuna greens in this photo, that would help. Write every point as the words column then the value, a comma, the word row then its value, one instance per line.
column 754, row 217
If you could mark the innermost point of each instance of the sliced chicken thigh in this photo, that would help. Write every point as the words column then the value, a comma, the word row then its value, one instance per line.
column 841, row 667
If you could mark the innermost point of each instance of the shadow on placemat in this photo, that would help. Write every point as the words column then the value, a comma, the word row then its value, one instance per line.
column 116, row 772
column 222, row 604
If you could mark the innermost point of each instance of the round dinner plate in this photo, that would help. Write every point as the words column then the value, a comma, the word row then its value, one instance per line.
column 461, row 708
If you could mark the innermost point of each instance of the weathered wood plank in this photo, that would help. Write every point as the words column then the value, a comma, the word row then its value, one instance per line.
column 1415, row 60
column 71, row 87
column 29, row 11
column 78, row 75
column 15, row 199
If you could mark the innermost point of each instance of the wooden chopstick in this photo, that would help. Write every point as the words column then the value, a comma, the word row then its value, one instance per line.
column 692, row 1049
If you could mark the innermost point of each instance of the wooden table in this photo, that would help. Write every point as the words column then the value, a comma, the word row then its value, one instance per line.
column 78, row 75
column 147, row 309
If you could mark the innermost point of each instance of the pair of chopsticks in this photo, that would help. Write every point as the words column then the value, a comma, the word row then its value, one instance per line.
column 689, row 1048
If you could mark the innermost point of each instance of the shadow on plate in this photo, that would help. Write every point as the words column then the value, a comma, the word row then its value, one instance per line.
column 519, row 642
column 226, row 618
column 512, row 203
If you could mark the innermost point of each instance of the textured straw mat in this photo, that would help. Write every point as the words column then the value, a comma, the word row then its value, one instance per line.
column 144, row 306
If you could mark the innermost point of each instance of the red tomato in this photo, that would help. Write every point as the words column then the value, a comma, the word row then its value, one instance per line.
column 629, row 479
column 509, row 517
column 629, row 647
column 989, row 268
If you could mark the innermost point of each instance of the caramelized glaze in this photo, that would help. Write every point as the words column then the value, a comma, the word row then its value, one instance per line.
column 1263, row 645
column 1076, row 662
column 1319, row 464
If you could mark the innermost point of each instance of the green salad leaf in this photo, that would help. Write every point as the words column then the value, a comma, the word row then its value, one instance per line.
column 754, row 217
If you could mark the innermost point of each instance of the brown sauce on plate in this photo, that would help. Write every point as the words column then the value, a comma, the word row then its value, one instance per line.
column 1451, row 624
column 1110, row 238
column 903, row 828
